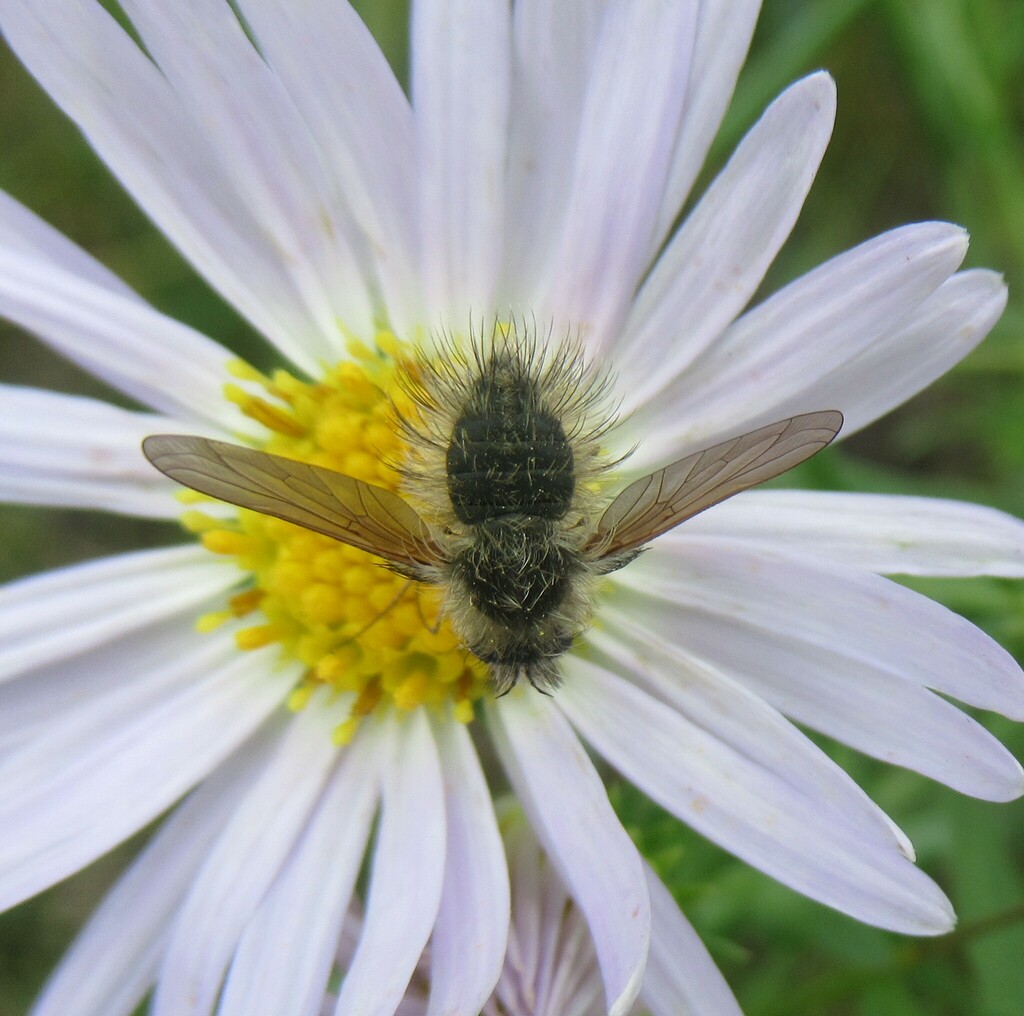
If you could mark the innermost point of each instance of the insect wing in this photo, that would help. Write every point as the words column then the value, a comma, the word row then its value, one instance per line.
column 659, row 502
column 359, row 514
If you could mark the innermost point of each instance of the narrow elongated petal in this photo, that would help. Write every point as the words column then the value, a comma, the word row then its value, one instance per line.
column 775, row 356
column 64, row 450
column 75, row 790
column 718, row 258
column 580, row 833
column 120, row 673
column 636, row 90
column 284, row 958
column 460, row 87
column 938, row 335
column 681, row 978
column 894, row 628
column 736, row 722
column 23, row 232
column 225, row 893
column 724, row 31
column 553, row 49
column 345, row 91
column 863, row 680
column 50, row 617
column 405, row 884
column 131, row 115
column 883, row 533
column 154, row 359
column 114, row 961
column 854, row 866
column 551, row 968
column 267, row 154
column 469, row 939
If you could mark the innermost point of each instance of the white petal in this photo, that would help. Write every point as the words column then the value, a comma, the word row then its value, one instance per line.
column 49, row 617
column 941, row 332
column 154, row 359
column 636, row 91
column 568, row 807
column 724, row 30
column 883, row 533
column 730, row 720
column 284, row 959
column 113, row 962
column 266, row 153
column 355, row 108
column 875, row 620
column 131, row 664
column 129, row 112
column 407, row 871
column 854, row 664
column 24, row 232
column 242, row 865
column 718, row 258
column 769, row 363
column 468, row 944
column 551, row 968
column 845, row 862
column 553, row 51
column 681, row 978
column 460, row 87
column 60, row 449
column 98, row 775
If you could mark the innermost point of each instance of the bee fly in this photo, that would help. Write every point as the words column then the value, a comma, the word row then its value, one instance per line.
column 503, row 469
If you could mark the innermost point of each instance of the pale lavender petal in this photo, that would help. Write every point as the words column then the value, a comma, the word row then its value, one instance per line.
column 724, row 30
column 53, row 693
column 49, row 617
column 75, row 790
column 636, row 91
column 268, row 156
column 460, row 86
column 407, row 870
column 58, row 449
column 845, row 862
column 940, row 333
column 551, row 968
column 713, row 265
column 855, row 664
column 240, row 869
column 885, row 533
column 131, row 115
column 469, row 940
column 890, row 627
column 284, row 959
column 770, row 362
column 681, row 978
column 355, row 108
column 580, row 833
column 736, row 724
column 22, row 231
column 122, row 340
column 553, row 50
column 113, row 962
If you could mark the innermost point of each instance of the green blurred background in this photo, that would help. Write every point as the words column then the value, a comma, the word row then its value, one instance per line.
column 931, row 125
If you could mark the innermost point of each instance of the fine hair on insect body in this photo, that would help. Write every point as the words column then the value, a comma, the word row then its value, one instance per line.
column 503, row 504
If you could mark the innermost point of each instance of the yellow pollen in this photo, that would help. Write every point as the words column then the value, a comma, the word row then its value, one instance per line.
column 356, row 627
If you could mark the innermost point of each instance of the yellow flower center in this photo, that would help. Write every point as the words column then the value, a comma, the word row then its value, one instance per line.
column 358, row 628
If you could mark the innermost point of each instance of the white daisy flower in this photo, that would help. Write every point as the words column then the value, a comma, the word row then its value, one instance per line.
column 539, row 167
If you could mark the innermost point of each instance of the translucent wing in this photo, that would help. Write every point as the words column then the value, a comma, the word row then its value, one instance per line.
column 659, row 502
column 336, row 505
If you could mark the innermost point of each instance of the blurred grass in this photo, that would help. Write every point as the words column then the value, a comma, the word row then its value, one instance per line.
column 931, row 125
